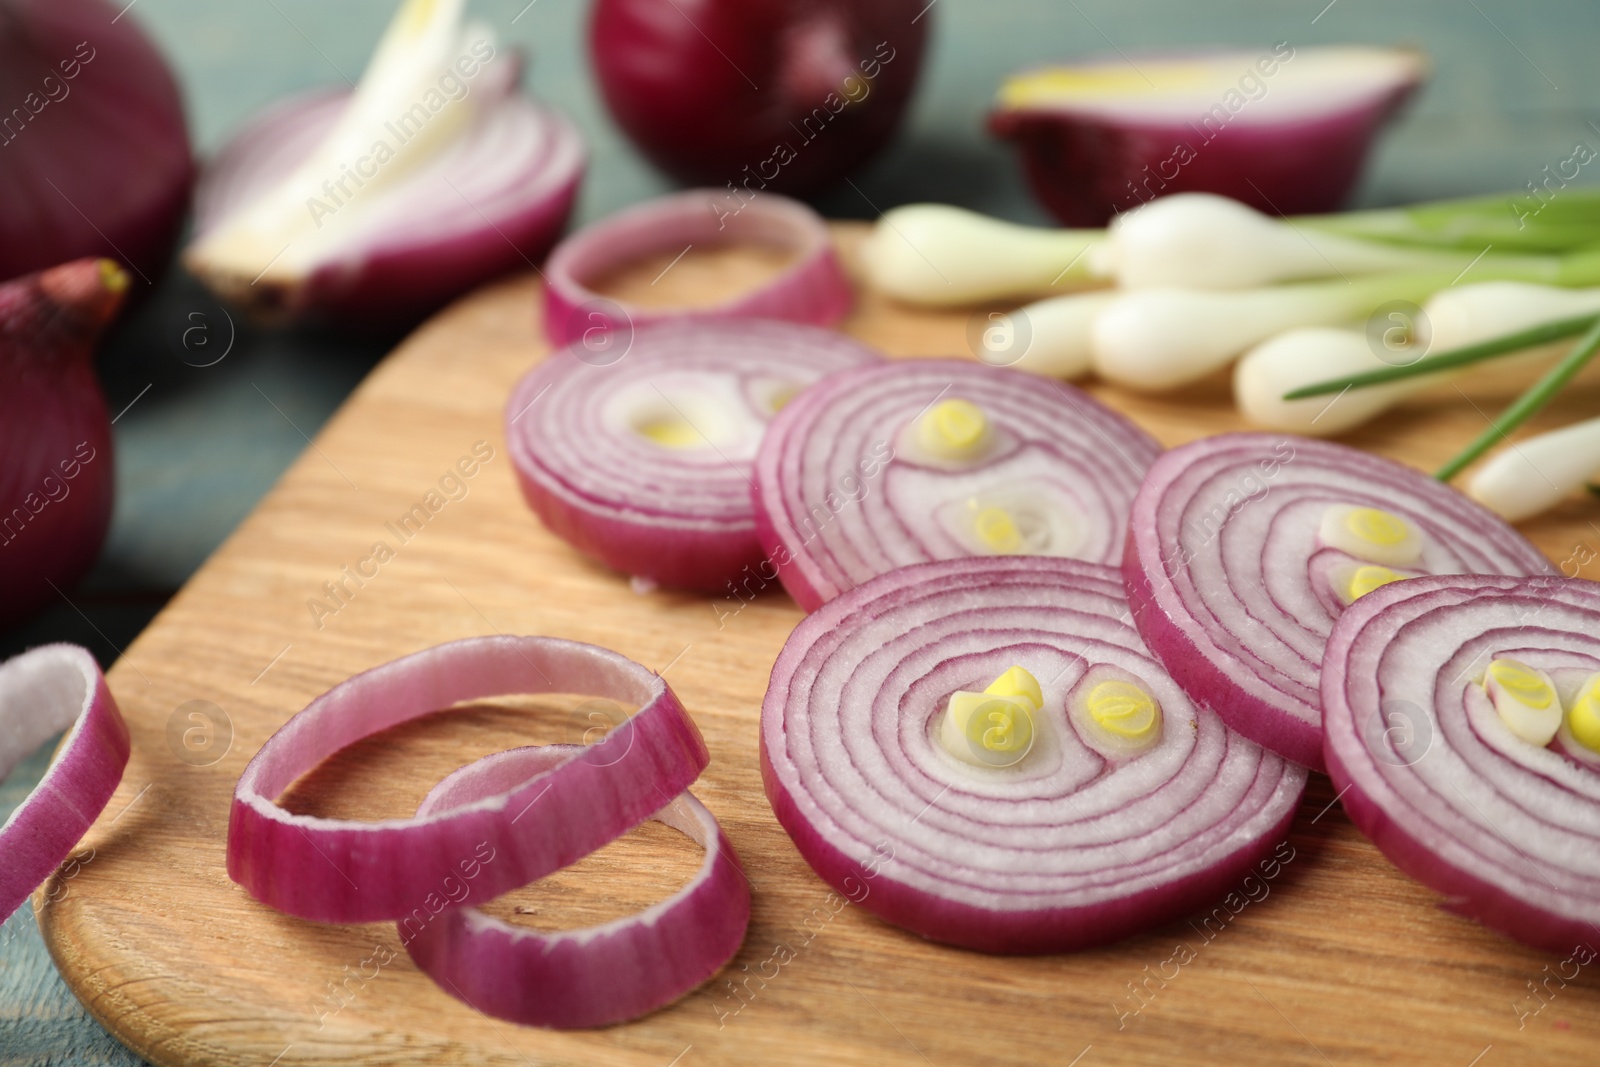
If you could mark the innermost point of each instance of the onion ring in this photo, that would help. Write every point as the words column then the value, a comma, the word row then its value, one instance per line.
column 812, row 290
column 1065, row 849
column 42, row 692
column 840, row 496
column 1508, row 830
column 594, row 976
column 644, row 463
column 1230, row 587
column 338, row 870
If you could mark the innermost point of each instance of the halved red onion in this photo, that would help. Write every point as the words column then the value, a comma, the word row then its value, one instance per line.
column 42, row 692
column 813, row 289
column 492, row 200
column 339, row 870
column 1065, row 848
column 843, row 492
column 642, row 458
column 594, row 976
column 1507, row 830
column 1228, row 571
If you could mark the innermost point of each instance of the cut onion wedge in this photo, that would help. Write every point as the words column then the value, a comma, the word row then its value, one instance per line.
column 339, row 870
column 1075, row 843
column 1508, row 830
column 906, row 462
column 42, row 692
column 373, row 207
column 812, row 289
column 594, row 976
column 1283, row 129
column 1244, row 548
column 644, row 462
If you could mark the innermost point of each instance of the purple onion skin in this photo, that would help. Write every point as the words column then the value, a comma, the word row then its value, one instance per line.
column 56, row 480
column 112, row 140
column 1030, row 933
column 1205, row 682
column 700, row 562
column 1085, row 169
column 708, row 88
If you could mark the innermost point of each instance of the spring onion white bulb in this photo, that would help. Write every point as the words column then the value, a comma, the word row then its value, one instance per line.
column 1156, row 339
column 1205, row 241
column 1061, row 333
column 1533, row 475
column 1452, row 318
column 935, row 255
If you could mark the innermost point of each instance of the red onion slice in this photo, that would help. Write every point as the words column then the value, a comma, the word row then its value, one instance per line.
column 1224, row 566
column 594, row 976
column 1061, row 850
column 492, row 201
column 840, row 497
column 1509, row 831
column 42, row 692
column 812, row 290
column 338, row 870
column 677, row 513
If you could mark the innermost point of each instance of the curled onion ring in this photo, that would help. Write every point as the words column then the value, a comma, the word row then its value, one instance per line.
column 339, row 870
column 595, row 976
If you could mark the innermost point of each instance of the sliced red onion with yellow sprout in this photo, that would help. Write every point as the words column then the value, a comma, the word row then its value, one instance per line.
column 1243, row 549
column 1463, row 732
column 341, row 870
column 594, row 976
column 644, row 461
column 378, row 205
column 42, row 692
column 901, row 463
column 811, row 288
column 984, row 752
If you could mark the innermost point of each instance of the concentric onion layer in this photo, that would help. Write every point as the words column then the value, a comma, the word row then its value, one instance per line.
column 1509, row 831
column 838, row 501
column 493, row 201
column 1062, row 850
column 42, row 692
column 679, row 514
column 594, row 976
column 1219, row 572
column 813, row 290
column 340, row 870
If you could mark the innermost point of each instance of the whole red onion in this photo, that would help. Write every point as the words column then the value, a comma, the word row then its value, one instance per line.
column 94, row 152
column 55, row 432
column 787, row 95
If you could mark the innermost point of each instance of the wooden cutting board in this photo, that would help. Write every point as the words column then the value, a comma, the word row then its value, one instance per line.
column 1336, row 959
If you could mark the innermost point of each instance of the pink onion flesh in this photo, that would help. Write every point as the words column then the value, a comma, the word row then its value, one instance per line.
column 493, row 200
column 1507, row 830
column 674, row 507
column 812, row 290
column 42, row 692
column 840, row 496
column 1062, row 850
column 1225, row 568
column 589, row 977
column 338, row 870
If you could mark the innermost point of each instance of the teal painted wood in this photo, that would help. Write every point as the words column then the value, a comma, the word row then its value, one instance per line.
column 1512, row 90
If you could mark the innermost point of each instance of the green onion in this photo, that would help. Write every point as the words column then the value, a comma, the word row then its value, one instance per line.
column 1544, row 333
column 1510, row 222
column 1537, row 396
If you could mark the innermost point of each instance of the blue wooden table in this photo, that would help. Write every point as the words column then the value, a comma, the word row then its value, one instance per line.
column 1514, row 88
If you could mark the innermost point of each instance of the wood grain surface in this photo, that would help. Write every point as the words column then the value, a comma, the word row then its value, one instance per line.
column 1336, row 959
